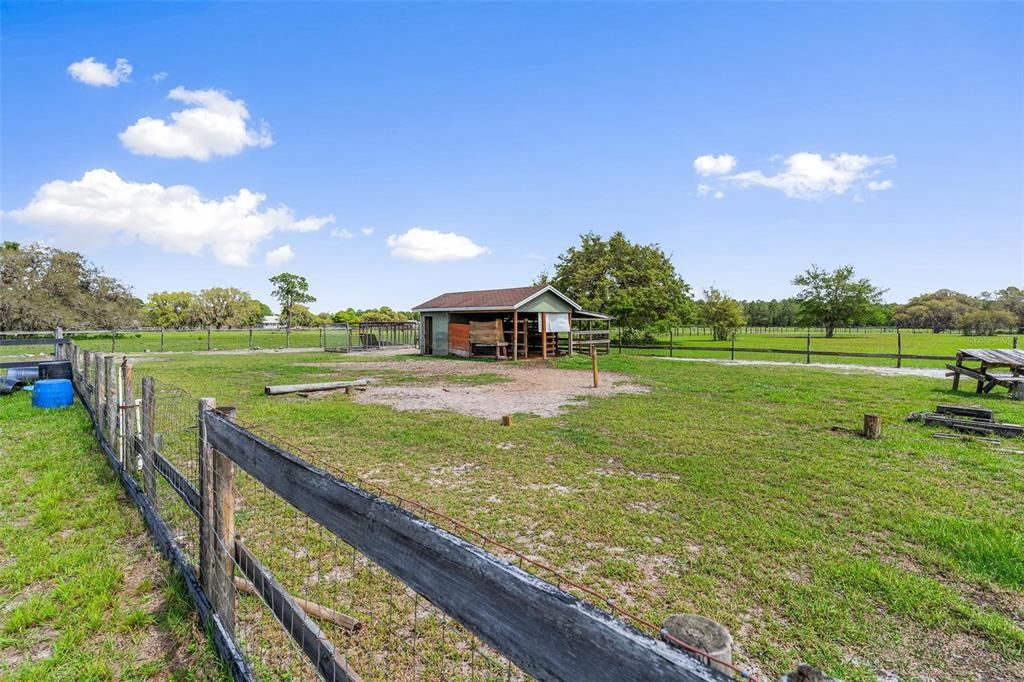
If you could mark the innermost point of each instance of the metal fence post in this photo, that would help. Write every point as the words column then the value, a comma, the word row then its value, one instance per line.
column 216, row 523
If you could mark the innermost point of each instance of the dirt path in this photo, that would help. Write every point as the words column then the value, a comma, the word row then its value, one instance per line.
column 503, row 389
column 929, row 372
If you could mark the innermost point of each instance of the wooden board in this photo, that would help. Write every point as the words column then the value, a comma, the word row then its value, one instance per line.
column 1010, row 357
column 458, row 339
column 545, row 631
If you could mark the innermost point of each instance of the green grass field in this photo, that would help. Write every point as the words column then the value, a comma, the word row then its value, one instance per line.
column 914, row 342
column 83, row 593
column 742, row 493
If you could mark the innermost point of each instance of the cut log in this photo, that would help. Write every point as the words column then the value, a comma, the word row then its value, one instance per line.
column 872, row 426
column 308, row 388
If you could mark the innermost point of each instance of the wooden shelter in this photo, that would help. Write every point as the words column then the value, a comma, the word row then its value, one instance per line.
column 517, row 323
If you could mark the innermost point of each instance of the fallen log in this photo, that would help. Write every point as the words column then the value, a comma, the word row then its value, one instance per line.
column 307, row 388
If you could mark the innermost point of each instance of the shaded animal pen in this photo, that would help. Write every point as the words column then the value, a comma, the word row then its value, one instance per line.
column 300, row 572
column 365, row 336
column 510, row 324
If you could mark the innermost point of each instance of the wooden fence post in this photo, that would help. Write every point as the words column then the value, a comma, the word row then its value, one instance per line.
column 209, row 332
column 86, row 395
column 113, row 340
column 148, row 437
column 58, row 344
column 670, row 341
column 808, row 361
column 732, row 350
column 99, row 383
column 112, row 404
column 593, row 362
column 161, row 339
column 899, row 349
column 128, row 425
column 216, row 523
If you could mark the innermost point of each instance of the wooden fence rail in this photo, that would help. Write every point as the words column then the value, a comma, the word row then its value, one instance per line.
column 545, row 631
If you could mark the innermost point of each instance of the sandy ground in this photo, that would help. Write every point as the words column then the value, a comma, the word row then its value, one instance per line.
column 529, row 388
column 930, row 372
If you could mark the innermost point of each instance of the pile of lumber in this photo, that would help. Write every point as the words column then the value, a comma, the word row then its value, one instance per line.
column 967, row 420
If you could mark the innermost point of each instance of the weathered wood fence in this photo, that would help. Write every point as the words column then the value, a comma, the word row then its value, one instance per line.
column 539, row 628
column 18, row 339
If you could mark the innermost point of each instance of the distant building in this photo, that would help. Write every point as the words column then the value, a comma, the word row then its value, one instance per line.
column 517, row 323
column 271, row 322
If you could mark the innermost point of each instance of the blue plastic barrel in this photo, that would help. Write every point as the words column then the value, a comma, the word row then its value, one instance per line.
column 50, row 393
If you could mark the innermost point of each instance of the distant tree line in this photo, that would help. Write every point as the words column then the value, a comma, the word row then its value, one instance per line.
column 219, row 307
column 945, row 309
column 639, row 286
column 42, row 287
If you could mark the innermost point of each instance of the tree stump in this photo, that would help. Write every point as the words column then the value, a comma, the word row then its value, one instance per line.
column 701, row 633
column 506, row 420
column 872, row 426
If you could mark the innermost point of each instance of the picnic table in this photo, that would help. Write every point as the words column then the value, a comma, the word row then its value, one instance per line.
column 990, row 359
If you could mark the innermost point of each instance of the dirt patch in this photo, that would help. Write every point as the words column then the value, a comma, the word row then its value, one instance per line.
column 36, row 644
column 528, row 388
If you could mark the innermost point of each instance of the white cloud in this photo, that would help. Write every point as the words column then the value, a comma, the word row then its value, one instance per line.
column 709, row 164
column 341, row 233
column 214, row 126
column 432, row 246
column 367, row 231
column 810, row 176
column 102, row 207
column 880, row 186
column 157, row 77
column 279, row 256
column 703, row 189
column 719, row 195
column 98, row 74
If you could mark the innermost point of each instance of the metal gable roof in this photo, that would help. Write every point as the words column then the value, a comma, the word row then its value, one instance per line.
column 490, row 299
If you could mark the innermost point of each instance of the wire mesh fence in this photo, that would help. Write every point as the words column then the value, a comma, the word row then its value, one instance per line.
column 295, row 599
column 364, row 336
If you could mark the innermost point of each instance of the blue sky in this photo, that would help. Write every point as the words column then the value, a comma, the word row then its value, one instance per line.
column 478, row 140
